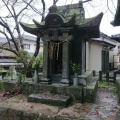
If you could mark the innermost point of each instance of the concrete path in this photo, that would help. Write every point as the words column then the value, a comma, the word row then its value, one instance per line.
column 106, row 107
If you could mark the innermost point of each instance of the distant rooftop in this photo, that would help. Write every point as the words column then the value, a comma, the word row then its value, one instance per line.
column 105, row 39
column 116, row 37
column 26, row 37
column 3, row 40
column 8, row 60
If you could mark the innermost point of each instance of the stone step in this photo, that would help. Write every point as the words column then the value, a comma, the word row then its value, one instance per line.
column 56, row 100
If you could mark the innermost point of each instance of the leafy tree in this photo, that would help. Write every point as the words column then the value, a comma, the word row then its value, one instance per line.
column 38, row 62
column 17, row 10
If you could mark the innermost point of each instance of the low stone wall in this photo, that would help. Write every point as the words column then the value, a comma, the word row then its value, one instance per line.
column 75, row 92
column 118, row 87
column 8, row 86
column 90, row 91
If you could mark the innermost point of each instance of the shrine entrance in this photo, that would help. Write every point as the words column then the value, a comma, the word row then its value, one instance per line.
column 56, row 60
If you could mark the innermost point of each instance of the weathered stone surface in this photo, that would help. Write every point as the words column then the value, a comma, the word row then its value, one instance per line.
column 118, row 87
column 65, row 118
column 75, row 92
column 57, row 100
column 89, row 92
column 9, row 86
column 12, row 114
column 85, row 78
column 29, row 88
column 65, row 65
column 30, row 116
column 3, row 114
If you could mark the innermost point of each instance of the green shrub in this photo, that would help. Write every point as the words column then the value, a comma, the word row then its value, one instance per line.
column 104, row 83
column 1, row 86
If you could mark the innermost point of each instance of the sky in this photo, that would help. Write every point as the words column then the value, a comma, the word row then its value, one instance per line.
column 92, row 8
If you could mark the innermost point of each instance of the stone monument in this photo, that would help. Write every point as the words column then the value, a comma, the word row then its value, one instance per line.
column 13, row 73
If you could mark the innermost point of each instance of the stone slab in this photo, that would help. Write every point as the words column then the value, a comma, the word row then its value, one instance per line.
column 56, row 100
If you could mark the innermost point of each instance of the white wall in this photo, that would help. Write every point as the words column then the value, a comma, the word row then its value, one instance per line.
column 32, row 46
column 94, row 56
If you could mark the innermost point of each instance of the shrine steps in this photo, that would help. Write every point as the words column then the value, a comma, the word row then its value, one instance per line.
column 50, row 99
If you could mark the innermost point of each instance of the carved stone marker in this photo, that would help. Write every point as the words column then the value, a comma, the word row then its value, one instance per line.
column 13, row 73
column 36, row 77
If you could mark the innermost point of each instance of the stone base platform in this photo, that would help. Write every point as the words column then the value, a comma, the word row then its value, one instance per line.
column 56, row 100
column 79, row 94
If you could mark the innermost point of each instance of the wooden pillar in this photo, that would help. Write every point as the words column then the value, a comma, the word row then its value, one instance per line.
column 65, row 65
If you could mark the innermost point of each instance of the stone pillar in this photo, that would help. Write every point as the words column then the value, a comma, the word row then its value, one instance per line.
column 45, row 77
column 65, row 65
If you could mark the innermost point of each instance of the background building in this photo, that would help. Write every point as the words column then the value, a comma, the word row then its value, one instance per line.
column 8, row 58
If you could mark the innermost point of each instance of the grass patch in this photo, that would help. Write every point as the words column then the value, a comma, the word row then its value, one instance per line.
column 105, row 84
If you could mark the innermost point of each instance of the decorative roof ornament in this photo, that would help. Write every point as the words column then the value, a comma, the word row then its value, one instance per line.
column 80, row 4
column 53, row 9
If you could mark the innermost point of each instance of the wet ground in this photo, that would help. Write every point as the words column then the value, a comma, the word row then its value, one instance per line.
column 107, row 106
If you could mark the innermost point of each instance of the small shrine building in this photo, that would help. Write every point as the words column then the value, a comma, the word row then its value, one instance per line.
column 64, row 33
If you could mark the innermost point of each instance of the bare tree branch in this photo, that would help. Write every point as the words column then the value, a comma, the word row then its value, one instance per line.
column 109, row 8
column 27, row 4
column 34, row 9
column 7, row 7
column 37, row 46
column 14, row 15
column 43, row 10
column 5, row 25
column 7, row 39
column 4, row 48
